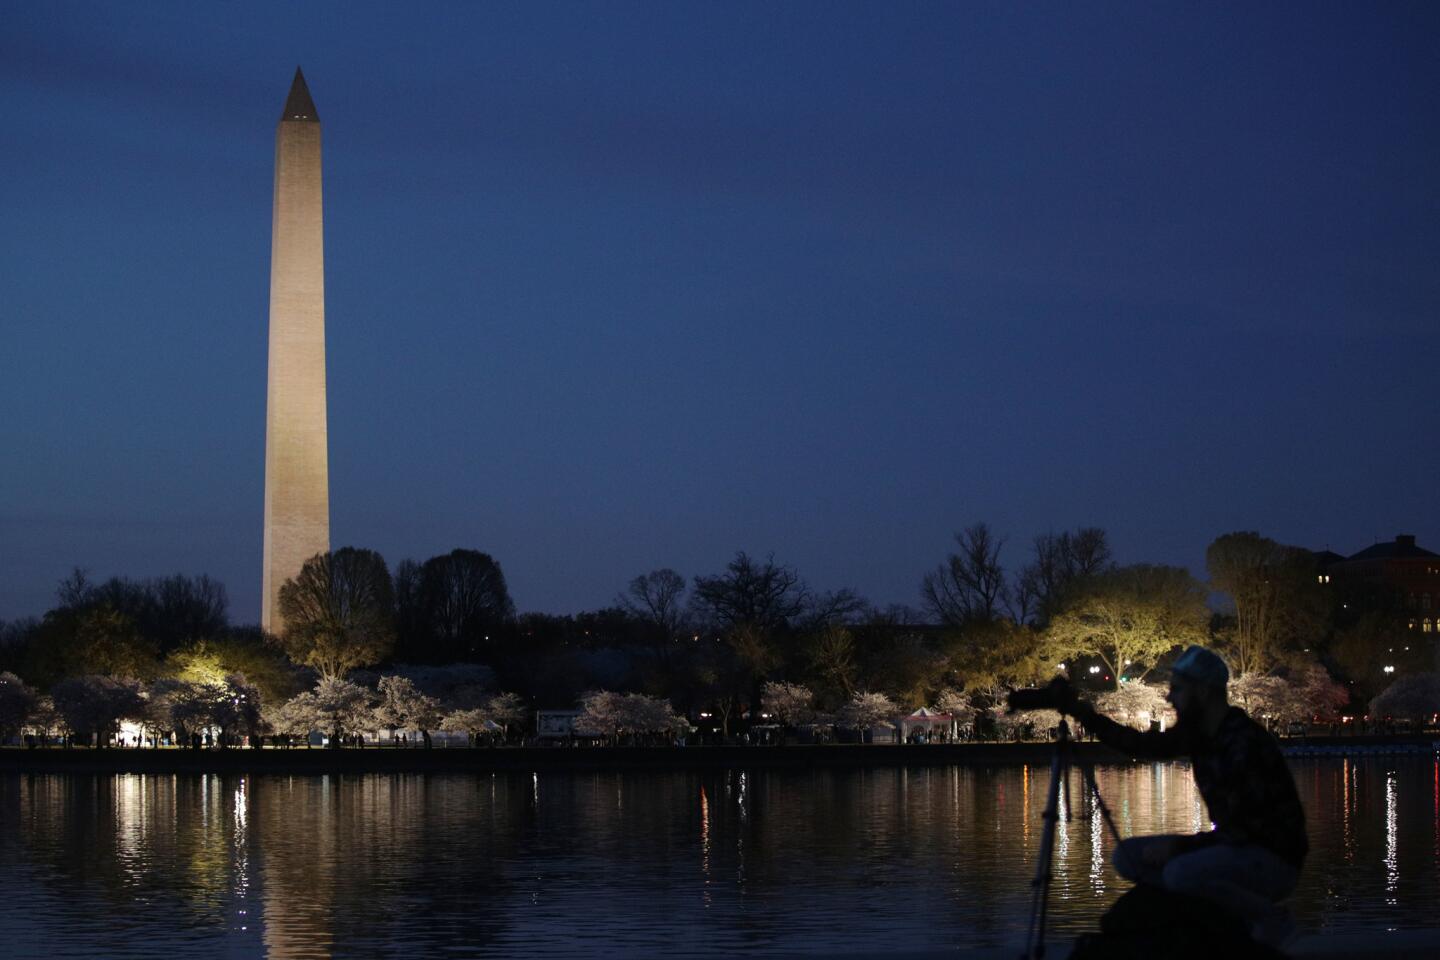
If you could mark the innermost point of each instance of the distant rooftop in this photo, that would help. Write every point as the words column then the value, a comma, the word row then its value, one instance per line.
column 1401, row 548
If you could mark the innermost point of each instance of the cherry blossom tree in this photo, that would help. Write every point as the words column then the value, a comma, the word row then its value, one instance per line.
column 506, row 709
column 1308, row 692
column 339, row 706
column 402, row 706
column 17, row 702
column 473, row 722
column 1136, row 704
column 614, row 715
column 790, row 703
column 958, row 704
column 1416, row 697
column 865, row 710
column 291, row 720
column 93, row 706
column 44, row 718
column 235, row 710
column 1022, row 724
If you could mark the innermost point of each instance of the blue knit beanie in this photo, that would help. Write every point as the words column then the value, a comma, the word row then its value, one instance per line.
column 1202, row 666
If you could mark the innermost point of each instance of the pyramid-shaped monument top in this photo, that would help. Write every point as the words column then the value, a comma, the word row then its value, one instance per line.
column 299, row 106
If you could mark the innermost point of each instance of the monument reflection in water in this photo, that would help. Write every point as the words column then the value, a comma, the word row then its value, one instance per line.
column 586, row 864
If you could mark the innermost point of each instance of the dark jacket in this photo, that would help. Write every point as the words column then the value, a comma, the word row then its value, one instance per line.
column 1241, row 774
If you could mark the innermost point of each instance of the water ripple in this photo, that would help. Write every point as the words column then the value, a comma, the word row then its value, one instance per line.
column 630, row 863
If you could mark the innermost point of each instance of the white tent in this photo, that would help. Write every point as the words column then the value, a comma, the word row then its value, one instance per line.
column 926, row 721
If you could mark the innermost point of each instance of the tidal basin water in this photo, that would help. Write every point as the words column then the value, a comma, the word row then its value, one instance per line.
column 700, row 863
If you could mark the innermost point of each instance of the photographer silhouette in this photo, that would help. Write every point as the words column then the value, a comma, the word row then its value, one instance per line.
column 1251, row 860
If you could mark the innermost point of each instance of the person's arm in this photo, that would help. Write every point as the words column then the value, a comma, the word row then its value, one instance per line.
column 1145, row 744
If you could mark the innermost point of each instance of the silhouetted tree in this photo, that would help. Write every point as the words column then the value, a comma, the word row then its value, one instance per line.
column 1364, row 646
column 970, row 585
column 908, row 665
column 75, row 590
column 1062, row 561
column 657, row 600
column 15, row 636
column 833, row 607
column 412, row 637
column 750, row 604
column 1279, row 606
column 464, row 604
column 764, row 595
column 339, row 612
column 834, row 661
column 94, row 639
column 184, row 609
column 167, row 611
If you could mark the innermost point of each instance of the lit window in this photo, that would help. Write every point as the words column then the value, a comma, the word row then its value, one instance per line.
column 1426, row 627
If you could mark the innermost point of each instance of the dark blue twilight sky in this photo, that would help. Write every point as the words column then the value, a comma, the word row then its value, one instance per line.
column 616, row 286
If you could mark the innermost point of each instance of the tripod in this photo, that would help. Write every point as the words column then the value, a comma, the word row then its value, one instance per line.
column 1060, row 762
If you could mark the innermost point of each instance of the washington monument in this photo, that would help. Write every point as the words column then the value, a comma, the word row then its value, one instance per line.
column 297, row 470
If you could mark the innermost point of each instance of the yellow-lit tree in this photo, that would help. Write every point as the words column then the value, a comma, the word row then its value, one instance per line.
column 1129, row 618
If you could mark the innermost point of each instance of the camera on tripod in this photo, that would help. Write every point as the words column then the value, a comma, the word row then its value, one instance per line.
column 1057, row 695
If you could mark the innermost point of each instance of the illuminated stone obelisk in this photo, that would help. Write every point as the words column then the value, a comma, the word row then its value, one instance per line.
column 297, row 470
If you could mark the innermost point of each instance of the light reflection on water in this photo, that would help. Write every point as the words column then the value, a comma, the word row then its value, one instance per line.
column 1392, row 839
column 628, row 863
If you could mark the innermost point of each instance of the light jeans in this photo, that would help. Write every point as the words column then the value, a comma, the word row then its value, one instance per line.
column 1246, row 879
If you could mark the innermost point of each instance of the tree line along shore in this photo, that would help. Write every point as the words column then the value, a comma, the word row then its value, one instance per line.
column 749, row 653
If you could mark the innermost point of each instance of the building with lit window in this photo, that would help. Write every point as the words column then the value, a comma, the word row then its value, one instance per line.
column 1396, row 577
